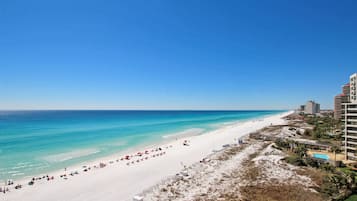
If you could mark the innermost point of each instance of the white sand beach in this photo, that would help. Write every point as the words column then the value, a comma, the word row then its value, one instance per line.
column 120, row 181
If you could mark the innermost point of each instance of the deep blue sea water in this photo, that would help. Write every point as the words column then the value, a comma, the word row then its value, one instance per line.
column 34, row 142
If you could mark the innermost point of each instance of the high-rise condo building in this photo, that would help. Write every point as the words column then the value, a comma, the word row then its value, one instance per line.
column 349, row 117
column 340, row 99
column 312, row 107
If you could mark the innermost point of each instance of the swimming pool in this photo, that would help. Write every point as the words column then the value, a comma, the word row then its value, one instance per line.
column 320, row 156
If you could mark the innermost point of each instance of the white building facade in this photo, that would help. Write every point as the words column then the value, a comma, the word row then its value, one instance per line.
column 349, row 117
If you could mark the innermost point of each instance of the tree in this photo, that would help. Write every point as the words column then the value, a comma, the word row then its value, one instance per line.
column 307, row 132
column 316, row 134
column 351, row 179
column 335, row 149
column 301, row 150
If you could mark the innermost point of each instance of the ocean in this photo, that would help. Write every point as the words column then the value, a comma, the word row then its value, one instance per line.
column 36, row 142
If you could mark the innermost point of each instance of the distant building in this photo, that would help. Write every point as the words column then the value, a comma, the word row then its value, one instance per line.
column 312, row 107
column 302, row 108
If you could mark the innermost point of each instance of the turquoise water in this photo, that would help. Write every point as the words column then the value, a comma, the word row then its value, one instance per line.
column 321, row 156
column 34, row 142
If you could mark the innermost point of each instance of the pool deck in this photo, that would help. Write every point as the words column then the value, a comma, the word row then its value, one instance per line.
column 339, row 157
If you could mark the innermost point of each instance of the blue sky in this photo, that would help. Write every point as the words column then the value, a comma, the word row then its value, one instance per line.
column 174, row 54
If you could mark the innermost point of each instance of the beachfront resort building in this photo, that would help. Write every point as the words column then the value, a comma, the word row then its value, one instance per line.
column 344, row 97
column 349, row 118
column 312, row 107
column 346, row 89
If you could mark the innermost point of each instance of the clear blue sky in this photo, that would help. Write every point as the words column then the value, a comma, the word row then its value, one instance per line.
column 143, row 54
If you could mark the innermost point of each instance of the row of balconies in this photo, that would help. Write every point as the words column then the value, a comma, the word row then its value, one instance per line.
column 352, row 143
column 351, row 148
column 349, row 119
column 350, row 136
column 349, row 114
column 348, row 108
column 351, row 131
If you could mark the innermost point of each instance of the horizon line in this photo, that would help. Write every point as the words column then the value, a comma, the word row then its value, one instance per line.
column 149, row 109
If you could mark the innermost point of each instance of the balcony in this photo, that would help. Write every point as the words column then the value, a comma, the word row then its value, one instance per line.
column 351, row 131
column 352, row 143
column 351, row 148
column 350, row 136
column 351, row 114
column 350, row 120
column 351, row 155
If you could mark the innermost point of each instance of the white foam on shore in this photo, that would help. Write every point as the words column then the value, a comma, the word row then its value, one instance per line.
column 18, row 174
column 20, row 166
column 70, row 155
column 185, row 133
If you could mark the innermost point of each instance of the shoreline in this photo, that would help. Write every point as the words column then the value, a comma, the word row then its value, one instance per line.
column 170, row 161
column 166, row 139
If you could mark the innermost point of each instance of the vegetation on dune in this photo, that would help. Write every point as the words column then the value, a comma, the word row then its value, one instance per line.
column 338, row 183
column 324, row 128
column 333, row 184
column 278, row 193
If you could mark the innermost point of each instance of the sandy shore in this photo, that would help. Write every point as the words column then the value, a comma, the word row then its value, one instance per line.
column 120, row 181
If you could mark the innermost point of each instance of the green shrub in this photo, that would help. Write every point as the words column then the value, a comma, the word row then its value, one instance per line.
column 307, row 132
column 311, row 162
column 295, row 160
column 316, row 135
column 327, row 167
column 329, row 188
column 282, row 143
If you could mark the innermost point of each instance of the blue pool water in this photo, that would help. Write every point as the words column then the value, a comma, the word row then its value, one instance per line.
column 321, row 156
column 33, row 142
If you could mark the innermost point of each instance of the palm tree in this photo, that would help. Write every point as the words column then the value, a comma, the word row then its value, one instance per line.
column 291, row 144
column 301, row 151
column 335, row 149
